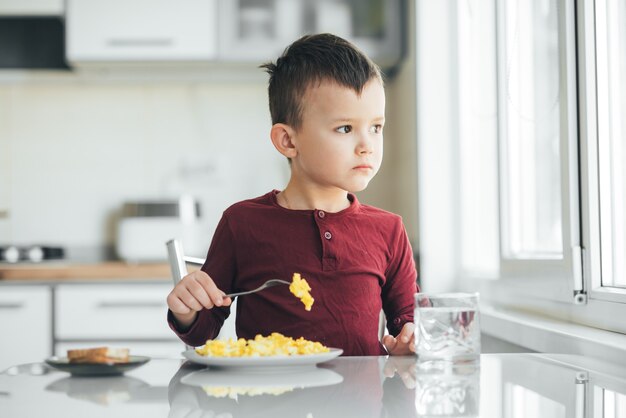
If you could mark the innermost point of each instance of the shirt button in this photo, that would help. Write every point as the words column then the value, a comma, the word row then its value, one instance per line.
column 397, row 321
column 328, row 235
column 321, row 213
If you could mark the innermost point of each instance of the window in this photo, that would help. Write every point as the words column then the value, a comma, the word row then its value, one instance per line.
column 530, row 108
column 478, row 140
column 611, row 109
column 535, row 138
column 517, row 141
column 608, row 403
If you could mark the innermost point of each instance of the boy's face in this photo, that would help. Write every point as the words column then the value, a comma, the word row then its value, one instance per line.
column 340, row 141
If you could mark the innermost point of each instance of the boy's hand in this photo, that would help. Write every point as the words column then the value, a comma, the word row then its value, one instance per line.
column 195, row 291
column 403, row 344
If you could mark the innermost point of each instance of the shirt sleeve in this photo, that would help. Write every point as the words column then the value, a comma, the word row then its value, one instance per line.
column 221, row 266
column 401, row 282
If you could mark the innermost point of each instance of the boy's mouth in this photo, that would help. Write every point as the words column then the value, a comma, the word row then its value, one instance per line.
column 363, row 167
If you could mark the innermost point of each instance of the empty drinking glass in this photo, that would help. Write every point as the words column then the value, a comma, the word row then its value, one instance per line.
column 447, row 327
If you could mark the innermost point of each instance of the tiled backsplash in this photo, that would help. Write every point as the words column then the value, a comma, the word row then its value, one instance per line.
column 71, row 153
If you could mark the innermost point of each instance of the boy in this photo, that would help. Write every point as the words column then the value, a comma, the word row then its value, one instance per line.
column 327, row 103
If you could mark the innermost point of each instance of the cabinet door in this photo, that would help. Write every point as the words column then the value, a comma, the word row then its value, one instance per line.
column 375, row 26
column 258, row 30
column 112, row 311
column 141, row 30
column 31, row 8
column 25, row 324
column 253, row 30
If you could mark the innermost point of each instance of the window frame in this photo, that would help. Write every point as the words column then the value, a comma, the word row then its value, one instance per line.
column 590, row 177
column 541, row 287
column 566, row 271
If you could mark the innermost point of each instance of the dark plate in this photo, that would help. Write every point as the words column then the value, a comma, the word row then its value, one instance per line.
column 96, row 369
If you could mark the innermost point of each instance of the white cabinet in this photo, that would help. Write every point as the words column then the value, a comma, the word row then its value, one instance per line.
column 258, row 30
column 121, row 315
column 25, row 324
column 141, row 30
column 86, row 311
column 252, row 30
column 31, row 7
column 103, row 32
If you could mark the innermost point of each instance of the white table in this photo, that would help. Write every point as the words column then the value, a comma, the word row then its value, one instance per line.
column 505, row 385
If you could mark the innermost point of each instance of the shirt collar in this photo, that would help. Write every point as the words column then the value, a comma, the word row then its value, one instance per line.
column 354, row 205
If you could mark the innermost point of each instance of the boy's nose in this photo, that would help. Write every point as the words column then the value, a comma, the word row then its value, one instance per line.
column 365, row 145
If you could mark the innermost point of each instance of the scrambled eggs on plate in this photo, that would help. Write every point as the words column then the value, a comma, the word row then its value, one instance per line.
column 274, row 345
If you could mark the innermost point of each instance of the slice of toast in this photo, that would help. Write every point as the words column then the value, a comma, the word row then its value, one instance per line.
column 98, row 355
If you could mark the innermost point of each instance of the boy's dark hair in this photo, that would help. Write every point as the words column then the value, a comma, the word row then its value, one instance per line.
column 313, row 59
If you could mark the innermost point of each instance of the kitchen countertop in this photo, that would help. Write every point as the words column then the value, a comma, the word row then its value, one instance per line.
column 61, row 270
column 504, row 385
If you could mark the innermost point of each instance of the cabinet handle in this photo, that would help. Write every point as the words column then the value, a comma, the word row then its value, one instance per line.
column 12, row 305
column 130, row 304
column 136, row 42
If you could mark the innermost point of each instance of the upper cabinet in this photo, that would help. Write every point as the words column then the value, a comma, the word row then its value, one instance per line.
column 261, row 29
column 141, row 30
column 224, row 30
column 181, row 33
column 31, row 8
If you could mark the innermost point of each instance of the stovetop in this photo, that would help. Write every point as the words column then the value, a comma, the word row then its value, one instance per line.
column 30, row 253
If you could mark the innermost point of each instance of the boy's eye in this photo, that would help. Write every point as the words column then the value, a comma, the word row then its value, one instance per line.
column 345, row 129
column 376, row 129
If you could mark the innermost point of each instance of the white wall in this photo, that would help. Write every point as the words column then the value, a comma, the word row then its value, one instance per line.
column 72, row 152
column 435, row 110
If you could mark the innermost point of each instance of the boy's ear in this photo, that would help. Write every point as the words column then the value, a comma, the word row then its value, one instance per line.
column 282, row 138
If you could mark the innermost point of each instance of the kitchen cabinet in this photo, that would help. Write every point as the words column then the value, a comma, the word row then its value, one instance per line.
column 140, row 30
column 253, row 30
column 224, row 31
column 119, row 315
column 25, row 324
column 31, row 8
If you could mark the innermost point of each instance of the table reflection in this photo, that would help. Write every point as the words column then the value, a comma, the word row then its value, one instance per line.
column 446, row 389
column 98, row 390
column 509, row 386
column 352, row 387
column 234, row 383
column 502, row 386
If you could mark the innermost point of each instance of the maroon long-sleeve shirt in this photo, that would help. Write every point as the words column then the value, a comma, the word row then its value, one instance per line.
column 356, row 261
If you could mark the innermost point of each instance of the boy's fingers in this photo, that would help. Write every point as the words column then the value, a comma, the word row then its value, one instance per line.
column 189, row 299
column 176, row 305
column 407, row 333
column 215, row 295
column 389, row 342
column 197, row 290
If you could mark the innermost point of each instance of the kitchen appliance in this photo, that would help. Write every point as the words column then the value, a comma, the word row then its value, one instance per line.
column 146, row 225
column 30, row 253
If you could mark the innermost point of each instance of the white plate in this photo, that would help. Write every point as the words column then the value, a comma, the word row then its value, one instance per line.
column 262, row 362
